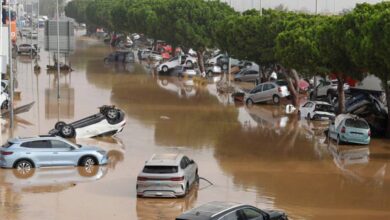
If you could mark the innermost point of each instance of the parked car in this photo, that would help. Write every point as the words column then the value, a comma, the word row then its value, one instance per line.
column 144, row 54
column 155, row 56
column 244, row 64
column 246, row 75
column 223, row 61
column 109, row 121
column 347, row 128
column 212, row 69
column 27, row 49
column 120, row 56
column 328, row 89
column 316, row 110
column 188, row 61
column 42, row 151
column 269, row 91
column 230, row 211
column 167, row 175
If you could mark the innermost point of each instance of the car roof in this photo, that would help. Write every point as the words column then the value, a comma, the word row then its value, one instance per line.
column 208, row 210
column 35, row 138
column 169, row 159
column 321, row 103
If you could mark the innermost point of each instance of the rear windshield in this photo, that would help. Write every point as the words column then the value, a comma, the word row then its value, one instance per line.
column 160, row 169
column 324, row 108
column 7, row 145
column 356, row 123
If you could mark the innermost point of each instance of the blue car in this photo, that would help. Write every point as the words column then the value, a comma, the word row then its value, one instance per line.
column 347, row 128
column 43, row 151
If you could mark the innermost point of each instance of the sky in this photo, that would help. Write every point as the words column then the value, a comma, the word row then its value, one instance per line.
column 323, row 5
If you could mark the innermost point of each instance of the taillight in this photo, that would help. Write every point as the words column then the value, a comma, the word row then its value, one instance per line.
column 5, row 153
column 177, row 178
column 369, row 133
column 343, row 130
column 141, row 178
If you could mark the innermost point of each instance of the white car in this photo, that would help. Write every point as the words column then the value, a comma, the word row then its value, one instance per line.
column 144, row 54
column 155, row 56
column 213, row 69
column 188, row 61
column 167, row 175
column 316, row 110
column 329, row 89
column 108, row 122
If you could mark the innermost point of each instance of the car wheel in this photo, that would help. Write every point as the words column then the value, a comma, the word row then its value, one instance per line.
column 67, row 131
column 4, row 106
column 224, row 66
column 189, row 64
column 165, row 69
column 112, row 115
column 275, row 99
column 59, row 125
column 23, row 169
column 249, row 102
column 88, row 171
column 210, row 73
column 187, row 189
column 88, row 161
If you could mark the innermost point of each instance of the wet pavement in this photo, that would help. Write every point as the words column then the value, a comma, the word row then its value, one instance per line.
column 256, row 155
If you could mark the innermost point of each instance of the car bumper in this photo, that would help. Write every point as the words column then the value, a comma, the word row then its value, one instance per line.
column 6, row 163
column 166, row 190
column 355, row 140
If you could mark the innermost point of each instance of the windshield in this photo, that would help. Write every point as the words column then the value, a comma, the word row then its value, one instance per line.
column 7, row 145
column 324, row 108
column 160, row 169
column 356, row 123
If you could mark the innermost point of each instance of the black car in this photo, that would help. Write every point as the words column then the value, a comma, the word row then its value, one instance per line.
column 230, row 211
column 120, row 56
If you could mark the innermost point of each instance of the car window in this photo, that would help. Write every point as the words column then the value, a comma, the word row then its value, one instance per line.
column 324, row 108
column 252, row 72
column 307, row 105
column 60, row 144
column 267, row 87
column 37, row 144
column 355, row 123
column 173, row 59
column 257, row 89
column 160, row 169
column 231, row 216
column 252, row 214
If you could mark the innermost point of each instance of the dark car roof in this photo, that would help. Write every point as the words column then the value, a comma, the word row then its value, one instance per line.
column 207, row 211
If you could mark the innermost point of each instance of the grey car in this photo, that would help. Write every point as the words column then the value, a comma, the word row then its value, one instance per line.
column 246, row 75
column 269, row 91
column 44, row 151
column 230, row 211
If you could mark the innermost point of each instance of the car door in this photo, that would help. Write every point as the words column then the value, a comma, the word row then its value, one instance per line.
column 266, row 95
column 257, row 93
column 63, row 154
column 252, row 214
column 234, row 215
column 40, row 151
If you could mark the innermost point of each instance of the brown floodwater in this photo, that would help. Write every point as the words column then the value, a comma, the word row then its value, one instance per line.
column 257, row 155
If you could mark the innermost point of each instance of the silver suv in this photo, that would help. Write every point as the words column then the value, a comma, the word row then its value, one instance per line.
column 42, row 151
column 167, row 175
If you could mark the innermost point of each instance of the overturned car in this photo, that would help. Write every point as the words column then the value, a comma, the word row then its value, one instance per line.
column 109, row 121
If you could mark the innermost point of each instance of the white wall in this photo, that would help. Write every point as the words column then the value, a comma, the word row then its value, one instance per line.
column 4, row 46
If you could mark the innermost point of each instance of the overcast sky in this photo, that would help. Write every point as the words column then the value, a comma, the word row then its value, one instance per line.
column 323, row 5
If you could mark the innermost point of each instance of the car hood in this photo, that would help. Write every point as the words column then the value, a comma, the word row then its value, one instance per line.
column 274, row 214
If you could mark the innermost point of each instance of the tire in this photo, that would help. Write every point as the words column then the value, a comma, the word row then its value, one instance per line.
column 224, row 66
column 112, row 115
column 67, row 131
column 4, row 106
column 59, row 125
column 187, row 189
column 189, row 64
column 88, row 161
column 23, row 169
column 249, row 102
column 276, row 99
column 164, row 69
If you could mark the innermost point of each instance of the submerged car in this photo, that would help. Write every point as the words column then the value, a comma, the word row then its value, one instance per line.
column 211, row 70
column 27, row 49
column 316, row 110
column 347, row 128
column 109, row 121
column 230, row 211
column 120, row 56
column 188, row 61
column 167, row 175
column 43, row 151
column 269, row 91
column 246, row 75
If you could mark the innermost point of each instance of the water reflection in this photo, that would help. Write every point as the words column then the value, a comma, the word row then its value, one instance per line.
column 183, row 87
column 165, row 209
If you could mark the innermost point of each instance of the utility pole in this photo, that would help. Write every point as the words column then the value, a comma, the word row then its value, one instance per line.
column 58, row 53
column 11, row 72
column 261, row 9
column 316, row 7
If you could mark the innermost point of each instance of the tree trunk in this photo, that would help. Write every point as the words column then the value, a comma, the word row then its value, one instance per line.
column 292, row 86
column 315, row 87
column 340, row 92
column 199, row 53
column 387, row 91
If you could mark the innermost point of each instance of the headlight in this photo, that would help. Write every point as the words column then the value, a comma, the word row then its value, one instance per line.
column 102, row 152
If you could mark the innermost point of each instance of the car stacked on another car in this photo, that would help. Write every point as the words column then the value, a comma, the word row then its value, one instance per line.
column 167, row 175
column 186, row 60
column 316, row 110
column 328, row 89
column 268, row 91
column 230, row 211
column 246, row 75
column 42, row 151
column 109, row 121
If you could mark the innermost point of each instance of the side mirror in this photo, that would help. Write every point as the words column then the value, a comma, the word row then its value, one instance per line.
column 192, row 162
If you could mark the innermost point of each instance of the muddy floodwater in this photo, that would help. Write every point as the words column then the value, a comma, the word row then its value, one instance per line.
column 257, row 155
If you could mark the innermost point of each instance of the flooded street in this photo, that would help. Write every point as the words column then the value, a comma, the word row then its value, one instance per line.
column 258, row 155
